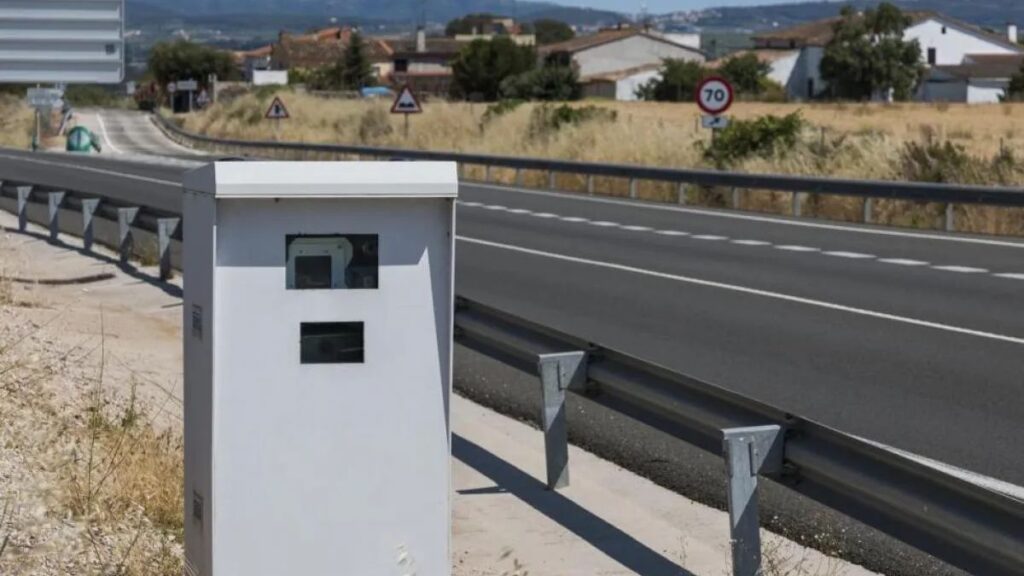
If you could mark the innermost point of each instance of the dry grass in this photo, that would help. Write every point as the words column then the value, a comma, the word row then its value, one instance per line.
column 842, row 140
column 16, row 122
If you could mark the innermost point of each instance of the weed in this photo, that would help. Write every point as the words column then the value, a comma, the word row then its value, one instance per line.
column 374, row 125
column 499, row 109
column 548, row 120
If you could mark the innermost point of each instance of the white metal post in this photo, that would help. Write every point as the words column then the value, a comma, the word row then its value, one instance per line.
column 558, row 373
column 54, row 200
column 89, row 206
column 165, row 231
column 748, row 452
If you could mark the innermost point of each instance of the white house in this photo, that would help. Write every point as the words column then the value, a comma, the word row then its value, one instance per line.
column 944, row 41
column 625, row 56
column 979, row 79
column 622, row 85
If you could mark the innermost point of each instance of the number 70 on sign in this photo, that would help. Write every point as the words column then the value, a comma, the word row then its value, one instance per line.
column 714, row 96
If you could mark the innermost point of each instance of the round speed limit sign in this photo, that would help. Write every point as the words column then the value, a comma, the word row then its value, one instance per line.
column 714, row 96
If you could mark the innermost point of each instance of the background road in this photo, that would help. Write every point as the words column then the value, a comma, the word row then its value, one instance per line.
column 913, row 339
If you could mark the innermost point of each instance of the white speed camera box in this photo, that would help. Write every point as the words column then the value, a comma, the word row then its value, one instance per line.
column 318, row 341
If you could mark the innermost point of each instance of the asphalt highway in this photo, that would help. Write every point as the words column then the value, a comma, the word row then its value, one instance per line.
column 910, row 338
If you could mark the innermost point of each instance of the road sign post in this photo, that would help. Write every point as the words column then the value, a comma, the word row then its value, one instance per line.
column 277, row 112
column 406, row 103
column 714, row 97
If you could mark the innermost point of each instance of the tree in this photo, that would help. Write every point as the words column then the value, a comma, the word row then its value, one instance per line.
column 678, row 82
column 184, row 60
column 356, row 72
column 549, row 31
column 480, row 22
column 868, row 57
column 550, row 83
column 1015, row 90
column 482, row 65
column 747, row 73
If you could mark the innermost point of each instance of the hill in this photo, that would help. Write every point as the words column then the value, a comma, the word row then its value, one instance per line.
column 233, row 13
column 991, row 13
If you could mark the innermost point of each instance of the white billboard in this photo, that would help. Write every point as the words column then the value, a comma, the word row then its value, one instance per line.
column 61, row 41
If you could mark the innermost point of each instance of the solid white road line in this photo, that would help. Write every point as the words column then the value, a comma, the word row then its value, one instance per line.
column 574, row 219
column 709, row 237
column 495, row 207
column 672, row 233
column 961, row 269
column 106, row 137
column 638, row 228
column 90, row 169
column 605, row 224
column 851, row 255
column 751, row 242
column 469, row 204
column 1011, row 276
column 903, row 262
column 520, row 211
column 793, row 248
column 544, row 215
column 750, row 291
column 753, row 218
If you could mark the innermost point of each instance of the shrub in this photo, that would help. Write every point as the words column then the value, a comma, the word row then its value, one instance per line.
column 764, row 136
column 550, row 83
column 948, row 163
column 374, row 124
column 500, row 108
column 677, row 83
column 547, row 119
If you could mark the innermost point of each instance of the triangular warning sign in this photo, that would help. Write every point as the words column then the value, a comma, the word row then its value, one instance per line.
column 406, row 103
column 277, row 111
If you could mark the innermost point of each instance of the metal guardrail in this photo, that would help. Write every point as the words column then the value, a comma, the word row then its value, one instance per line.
column 941, row 513
column 948, row 194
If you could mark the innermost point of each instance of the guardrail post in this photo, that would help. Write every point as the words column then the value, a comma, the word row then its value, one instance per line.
column 54, row 200
column 125, row 219
column 681, row 193
column 519, row 177
column 590, row 184
column 461, row 168
column 632, row 188
column 869, row 210
column 797, row 201
column 748, row 452
column 487, row 173
column 165, row 228
column 24, row 194
column 736, row 198
column 558, row 373
column 950, row 218
column 88, row 210
column 551, row 179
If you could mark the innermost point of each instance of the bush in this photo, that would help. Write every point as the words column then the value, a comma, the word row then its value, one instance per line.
column 764, row 136
column 547, row 119
column 482, row 65
column 500, row 108
column 678, row 81
column 948, row 163
column 550, row 83
column 374, row 124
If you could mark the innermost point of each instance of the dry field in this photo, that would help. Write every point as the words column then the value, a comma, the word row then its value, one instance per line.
column 842, row 140
column 16, row 122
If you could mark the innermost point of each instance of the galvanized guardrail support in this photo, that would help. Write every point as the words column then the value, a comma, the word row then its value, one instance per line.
column 950, row 218
column 89, row 206
column 736, row 198
column 558, row 373
column 869, row 210
column 749, row 452
column 24, row 194
column 487, row 173
column 797, row 203
column 165, row 230
column 590, row 184
column 519, row 177
column 551, row 179
column 681, row 193
column 632, row 188
column 126, row 244
column 54, row 200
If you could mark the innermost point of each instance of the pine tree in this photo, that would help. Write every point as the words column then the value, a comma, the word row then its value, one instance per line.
column 356, row 72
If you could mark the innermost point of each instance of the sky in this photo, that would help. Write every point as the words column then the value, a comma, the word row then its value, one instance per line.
column 662, row 6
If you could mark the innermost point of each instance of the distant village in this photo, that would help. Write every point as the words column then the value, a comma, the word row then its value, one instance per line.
column 964, row 62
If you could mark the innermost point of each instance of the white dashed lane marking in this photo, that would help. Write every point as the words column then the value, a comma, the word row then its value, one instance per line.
column 850, row 255
column 903, row 262
column 743, row 241
column 798, row 248
column 961, row 269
